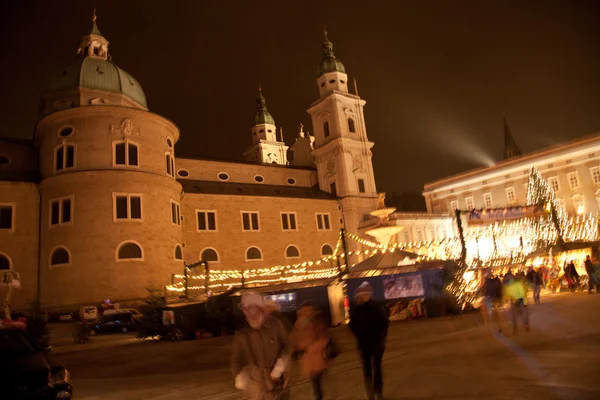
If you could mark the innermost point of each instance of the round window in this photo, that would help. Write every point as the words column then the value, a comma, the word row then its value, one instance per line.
column 270, row 131
column 183, row 172
column 261, row 131
column 322, row 84
column 169, row 142
column 332, row 81
column 341, row 81
column 223, row 176
column 65, row 131
column 291, row 181
column 4, row 160
column 259, row 178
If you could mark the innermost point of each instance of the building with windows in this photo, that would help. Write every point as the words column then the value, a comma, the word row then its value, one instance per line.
column 572, row 170
column 97, row 205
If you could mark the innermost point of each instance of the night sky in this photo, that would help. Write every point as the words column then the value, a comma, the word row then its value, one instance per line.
column 438, row 76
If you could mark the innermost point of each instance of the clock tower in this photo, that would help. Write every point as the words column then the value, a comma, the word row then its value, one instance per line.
column 342, row 149
column 265, row 149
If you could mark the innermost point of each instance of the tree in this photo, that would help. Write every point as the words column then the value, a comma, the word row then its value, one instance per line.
column 151, row 309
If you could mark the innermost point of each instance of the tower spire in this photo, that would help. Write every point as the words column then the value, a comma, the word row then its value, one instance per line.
column 510, row 146
column 95, row 30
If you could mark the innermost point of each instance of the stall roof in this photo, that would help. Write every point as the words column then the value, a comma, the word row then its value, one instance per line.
column 285, row 287
column 383, row 260
column 393, row 270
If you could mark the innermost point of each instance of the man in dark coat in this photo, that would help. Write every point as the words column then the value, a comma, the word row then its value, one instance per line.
column 592, row 278
column 369, row 322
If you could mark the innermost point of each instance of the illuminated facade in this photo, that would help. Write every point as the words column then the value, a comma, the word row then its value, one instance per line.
column 98, row 206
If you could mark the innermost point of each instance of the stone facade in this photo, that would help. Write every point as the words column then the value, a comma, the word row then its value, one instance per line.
column 103, row 209
column 573, row 169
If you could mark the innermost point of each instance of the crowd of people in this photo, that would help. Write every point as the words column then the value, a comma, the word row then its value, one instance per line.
column 264, row 349
column 511, row 290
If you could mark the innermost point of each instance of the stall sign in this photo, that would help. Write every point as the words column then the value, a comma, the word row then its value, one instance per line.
column 489, row 215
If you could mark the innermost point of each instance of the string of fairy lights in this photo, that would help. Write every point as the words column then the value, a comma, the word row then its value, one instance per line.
column 512, row 241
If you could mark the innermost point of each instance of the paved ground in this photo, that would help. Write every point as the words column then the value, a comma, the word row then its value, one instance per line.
column 443, row 358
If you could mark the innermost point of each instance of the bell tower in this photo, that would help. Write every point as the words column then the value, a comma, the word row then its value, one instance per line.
column 342, row 149
column 265, row 149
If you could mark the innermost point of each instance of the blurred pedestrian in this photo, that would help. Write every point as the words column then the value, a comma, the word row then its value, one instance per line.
column 309, row 338
column 492, row 300
column 369, row 322
column 534, row 279
column 592, row 278
column 515, row 290
column 572, row 275
column 260, row 358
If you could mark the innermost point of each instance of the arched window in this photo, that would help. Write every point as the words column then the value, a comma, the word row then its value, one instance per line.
column 253, row 253
column 5, row 262
column 129, row 251
column 178, row 252
column 292, row 252
column 326, row 129
column 209, row 255
column 60, row 256
column 351, row 127
column 326, row 250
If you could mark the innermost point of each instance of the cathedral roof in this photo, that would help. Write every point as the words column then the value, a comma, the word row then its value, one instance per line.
column 93, row 69
column 249, row 189
column 329, row 63
column 263, row 116
column 96, row 73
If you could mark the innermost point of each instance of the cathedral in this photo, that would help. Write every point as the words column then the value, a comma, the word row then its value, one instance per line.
column 98, row 206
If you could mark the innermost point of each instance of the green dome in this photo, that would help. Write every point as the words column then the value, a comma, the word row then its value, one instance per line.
column 96, row 73
column 330, row 63
column 263, row 116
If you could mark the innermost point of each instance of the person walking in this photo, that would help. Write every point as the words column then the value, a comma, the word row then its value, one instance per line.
column 310, row 338
column 492, row 300
column 369, row 323
column 572, row 276
column 534, row 280
column 592, row 278
column 260, row 359
column 515, row 290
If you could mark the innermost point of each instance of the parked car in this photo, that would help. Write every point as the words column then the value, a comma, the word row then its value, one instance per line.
column 115, row 322
column 26, row 370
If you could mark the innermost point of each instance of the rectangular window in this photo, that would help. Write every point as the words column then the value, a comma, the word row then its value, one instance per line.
column 128, row 206
column 510, row 195
column 207, row 220
column 487, row 200
column 250, row 221
column 333, row 188
column 361, row 185
column 454, row 205
column 553, row 181
column 469, row 203
column 170, row 164
column 437, row 208
column 64, row 157
column 175, row 213
column 7, row 216
column 61, row 210
column 595, row 172
column 323, row 222
column 288, row 221
column 573, row 180
column 126, row 153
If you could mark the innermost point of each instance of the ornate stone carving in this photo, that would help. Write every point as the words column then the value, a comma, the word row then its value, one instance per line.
column 98, row 101
column 357, row 164
column 126, row 128
column 330, row 168
column 380, row 200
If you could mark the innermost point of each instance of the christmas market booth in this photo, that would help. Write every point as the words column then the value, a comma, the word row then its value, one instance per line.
column 409, row 291
column 326, row 294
